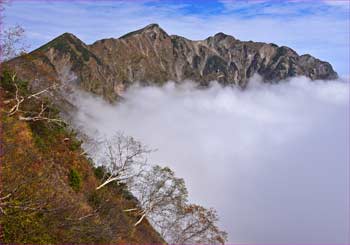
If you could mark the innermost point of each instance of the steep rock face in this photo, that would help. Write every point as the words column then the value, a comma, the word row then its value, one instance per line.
column 150, row 55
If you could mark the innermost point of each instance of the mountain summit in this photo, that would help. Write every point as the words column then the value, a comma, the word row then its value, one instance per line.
column 151, row 56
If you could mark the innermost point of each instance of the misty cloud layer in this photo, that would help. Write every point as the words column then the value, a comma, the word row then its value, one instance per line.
column 272, row 159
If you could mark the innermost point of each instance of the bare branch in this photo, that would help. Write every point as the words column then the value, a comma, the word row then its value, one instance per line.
column 123, row 158
column 130, row 209
column 140, row 220
column 19, row 100
column 12, row 42
column 46, row 90
column 163, row 200
column 37, row 116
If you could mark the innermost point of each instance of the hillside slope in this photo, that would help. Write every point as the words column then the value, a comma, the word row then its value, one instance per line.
column 150, row 55
column 48, row 194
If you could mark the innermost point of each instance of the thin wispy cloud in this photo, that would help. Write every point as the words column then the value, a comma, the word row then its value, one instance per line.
column 286, row 8
column 339, row 3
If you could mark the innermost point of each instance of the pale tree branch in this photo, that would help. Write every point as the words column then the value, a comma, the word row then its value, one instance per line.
column 35, row 116
column 140, row 220
column 123, row 158
column 12, row 42
column 163, row 201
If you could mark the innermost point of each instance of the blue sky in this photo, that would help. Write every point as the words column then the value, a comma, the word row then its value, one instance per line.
column 320, row 28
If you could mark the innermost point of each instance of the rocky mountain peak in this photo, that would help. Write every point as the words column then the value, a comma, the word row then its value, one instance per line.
column 220, row 35
column 152, row 26
column 149, row 55
column 68, row 35
column 63, row 43
column 152, row 30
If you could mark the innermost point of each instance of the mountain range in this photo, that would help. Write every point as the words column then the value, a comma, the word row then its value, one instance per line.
column 152, row 56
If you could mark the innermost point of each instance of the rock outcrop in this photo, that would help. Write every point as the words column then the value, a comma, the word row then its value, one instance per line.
column 151, row 56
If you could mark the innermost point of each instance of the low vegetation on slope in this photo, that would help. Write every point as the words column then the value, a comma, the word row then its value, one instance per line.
column 52, row 192
column 48, row 188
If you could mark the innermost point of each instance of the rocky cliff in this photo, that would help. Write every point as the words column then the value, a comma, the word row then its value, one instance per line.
column 150, row 55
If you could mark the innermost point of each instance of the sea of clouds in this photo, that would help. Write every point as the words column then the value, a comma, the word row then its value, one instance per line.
column 272, row 159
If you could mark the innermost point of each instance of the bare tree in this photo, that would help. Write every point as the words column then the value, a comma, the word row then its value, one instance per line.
column 193, row 224
column 163, row 200
column 123, row 158
column 32, row 115
column 2, row 9
column 12, row 42
column 12, row 39
column 90, row 145
column 159, row 193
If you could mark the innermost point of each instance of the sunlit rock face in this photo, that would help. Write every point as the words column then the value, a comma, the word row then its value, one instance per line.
column 151, row 56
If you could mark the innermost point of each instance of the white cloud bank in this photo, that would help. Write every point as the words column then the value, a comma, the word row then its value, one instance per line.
column 273, row 159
